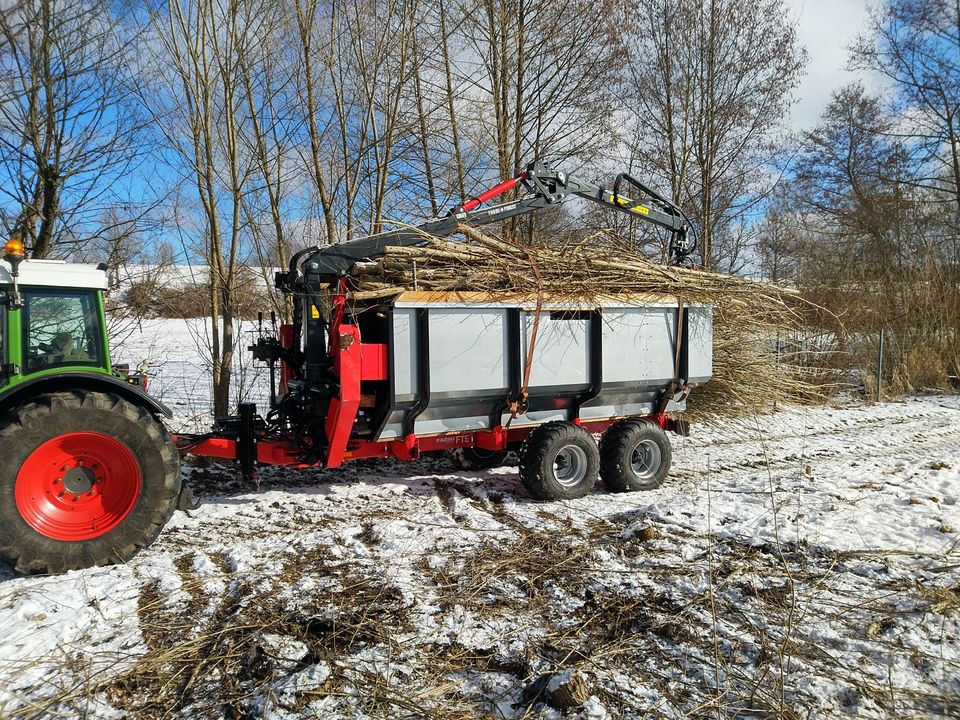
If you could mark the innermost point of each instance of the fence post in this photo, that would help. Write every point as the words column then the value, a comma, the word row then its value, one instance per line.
column 778, row 368
column 880, row 366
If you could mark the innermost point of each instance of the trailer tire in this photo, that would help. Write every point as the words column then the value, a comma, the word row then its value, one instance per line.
column 86, row 479
column 474, row 458
column 559, row 461
column 634, row 455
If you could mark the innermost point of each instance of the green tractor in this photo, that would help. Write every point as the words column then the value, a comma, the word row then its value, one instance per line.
column 88, row 473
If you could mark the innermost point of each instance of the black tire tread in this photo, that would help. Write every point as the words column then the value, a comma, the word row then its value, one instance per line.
column 536, row 450
column 619, row 440
column 120, row 544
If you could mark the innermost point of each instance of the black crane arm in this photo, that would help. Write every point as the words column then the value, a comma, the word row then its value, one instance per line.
column 548, row 187
column 545, row 187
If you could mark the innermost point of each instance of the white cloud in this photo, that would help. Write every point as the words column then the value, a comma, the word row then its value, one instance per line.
column 826, row 28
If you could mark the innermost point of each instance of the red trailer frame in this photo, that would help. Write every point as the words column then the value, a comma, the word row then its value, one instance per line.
column 355, row 361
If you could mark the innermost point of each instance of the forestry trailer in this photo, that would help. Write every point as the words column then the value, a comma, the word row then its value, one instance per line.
column 89, row 475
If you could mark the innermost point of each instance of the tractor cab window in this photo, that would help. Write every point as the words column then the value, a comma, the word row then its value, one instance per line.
column 61, row 327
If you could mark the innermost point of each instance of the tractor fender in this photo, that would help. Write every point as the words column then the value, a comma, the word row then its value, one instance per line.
column 28, row 389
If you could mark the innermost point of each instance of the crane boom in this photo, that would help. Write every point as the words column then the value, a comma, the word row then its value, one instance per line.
column 545, row 188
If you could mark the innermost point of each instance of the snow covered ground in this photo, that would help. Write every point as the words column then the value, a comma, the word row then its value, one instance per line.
column 802, row 564
column 179, row 365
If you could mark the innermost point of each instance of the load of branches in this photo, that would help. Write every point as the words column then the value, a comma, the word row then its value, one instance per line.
column 754, row 365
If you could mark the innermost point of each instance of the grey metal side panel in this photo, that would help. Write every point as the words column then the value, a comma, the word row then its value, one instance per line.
column 404, row 353
column 535, row 418
column 404, row 368
column 700, row 344
column 468, row 360
column 455, row 423
column 602, row 412
column 638, row 345
column 639, row 353
column 468, row 350
column 607, row 410
column 468, row 368
column 561, row 354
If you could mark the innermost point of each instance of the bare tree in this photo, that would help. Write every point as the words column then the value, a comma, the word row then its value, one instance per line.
column 197, row 98
column 850, row 172
column 867, row 241
column 310, row 78
column 916, row 45
column 547, row 81
column 713, row 81
column 450, row 99
column 548, row 72
column 393, row 60
column 68, row 128
column 779, row 244
column 266, row 68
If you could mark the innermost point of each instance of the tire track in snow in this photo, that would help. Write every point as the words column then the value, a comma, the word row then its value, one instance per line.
column 858, row 443
column 841, row 422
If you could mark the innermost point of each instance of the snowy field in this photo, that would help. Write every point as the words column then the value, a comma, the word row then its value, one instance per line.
column 178, row 361
column 799, row 565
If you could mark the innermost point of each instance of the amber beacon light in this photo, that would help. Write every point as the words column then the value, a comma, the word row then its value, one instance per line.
column 13, row 253
column 13, row 250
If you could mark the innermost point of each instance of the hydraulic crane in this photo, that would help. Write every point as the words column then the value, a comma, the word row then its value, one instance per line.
column 545, row 188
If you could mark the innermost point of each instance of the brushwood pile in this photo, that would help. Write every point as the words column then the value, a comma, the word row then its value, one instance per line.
column 753, row 368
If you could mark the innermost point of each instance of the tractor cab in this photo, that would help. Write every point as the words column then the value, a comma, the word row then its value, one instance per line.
column 51, row 320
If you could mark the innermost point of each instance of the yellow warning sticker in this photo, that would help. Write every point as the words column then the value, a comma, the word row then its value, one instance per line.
column 314, row 313
column 642, row 209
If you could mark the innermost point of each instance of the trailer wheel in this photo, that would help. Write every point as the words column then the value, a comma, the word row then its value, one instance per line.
column 559, row 461
column 86, row 479
column 474, row 458
column 634, row 455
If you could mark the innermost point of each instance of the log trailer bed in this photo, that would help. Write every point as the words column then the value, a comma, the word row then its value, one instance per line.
column 439, row 371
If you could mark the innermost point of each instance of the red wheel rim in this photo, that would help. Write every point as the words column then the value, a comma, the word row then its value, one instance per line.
column 78, row 486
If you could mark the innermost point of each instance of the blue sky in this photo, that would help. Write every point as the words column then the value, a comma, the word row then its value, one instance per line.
column 826, row 28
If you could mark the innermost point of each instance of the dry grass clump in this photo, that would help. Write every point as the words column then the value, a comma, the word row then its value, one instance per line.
column 752, row 370
column 921, row 368
column 910, row 365
column 515, row 574
column 226, row 665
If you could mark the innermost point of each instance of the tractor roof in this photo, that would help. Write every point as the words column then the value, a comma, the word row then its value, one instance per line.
column 56, row 273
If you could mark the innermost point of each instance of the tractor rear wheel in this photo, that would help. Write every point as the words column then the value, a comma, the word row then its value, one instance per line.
column 86, row 478
column 634, row 455
column 559, row 461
